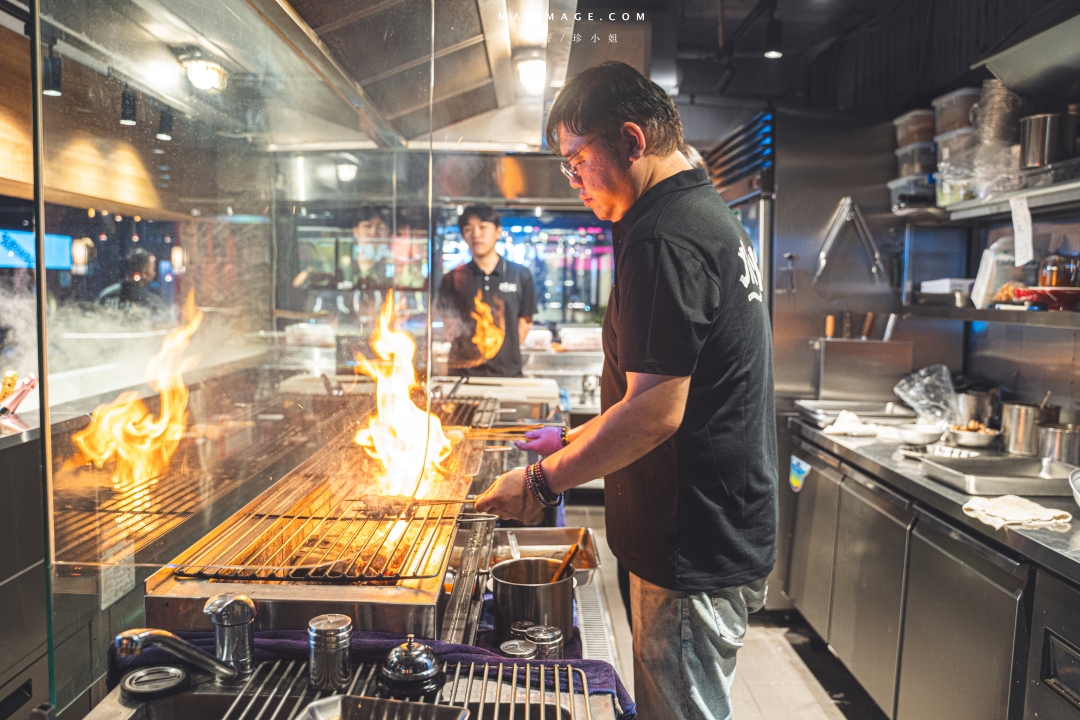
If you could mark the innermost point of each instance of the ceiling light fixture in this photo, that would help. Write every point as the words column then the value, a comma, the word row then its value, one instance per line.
column 346, row 172
column 773, row 32
column 203, row 72
column 164, row 128
column 128, row 105
column 52, row 75
column 532, row 69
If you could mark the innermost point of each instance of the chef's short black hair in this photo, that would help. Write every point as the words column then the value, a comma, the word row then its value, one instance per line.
column 483, row 213
column 138, row 261
column 600, row 99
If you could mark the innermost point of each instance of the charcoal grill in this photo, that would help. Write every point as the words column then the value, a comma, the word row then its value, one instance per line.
column 320, row 540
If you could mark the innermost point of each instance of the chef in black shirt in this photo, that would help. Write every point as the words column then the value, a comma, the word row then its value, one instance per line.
column 686, row 439
column 487, row 304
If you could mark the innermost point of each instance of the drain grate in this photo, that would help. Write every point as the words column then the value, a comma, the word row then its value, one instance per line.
column 597, row 637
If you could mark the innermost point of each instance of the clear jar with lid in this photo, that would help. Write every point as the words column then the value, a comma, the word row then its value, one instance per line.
column 1059, row 271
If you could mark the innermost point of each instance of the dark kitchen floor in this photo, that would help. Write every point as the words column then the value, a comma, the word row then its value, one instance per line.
column 784, row 671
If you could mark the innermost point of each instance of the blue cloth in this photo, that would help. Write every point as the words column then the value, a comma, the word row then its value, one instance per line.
column 370, row 647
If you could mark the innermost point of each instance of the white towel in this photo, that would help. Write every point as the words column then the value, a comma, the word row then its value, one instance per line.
column 1012, row 510
column 848, row 423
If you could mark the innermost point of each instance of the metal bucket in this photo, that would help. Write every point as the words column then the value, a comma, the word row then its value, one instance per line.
column 1060, row 442
column 974, row 406
column 523, row 591
column 1045, row 139
column 1020, row 429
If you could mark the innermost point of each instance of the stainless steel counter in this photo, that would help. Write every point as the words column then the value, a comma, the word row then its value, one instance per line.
column 1055, row 550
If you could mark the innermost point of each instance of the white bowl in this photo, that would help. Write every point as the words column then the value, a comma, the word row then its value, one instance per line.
column 967, row 438
column 1074, row 484
column 919, row 434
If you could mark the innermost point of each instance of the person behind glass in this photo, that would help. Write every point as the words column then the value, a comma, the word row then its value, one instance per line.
column 487, row 304
column 686, row 439
column 140, row 268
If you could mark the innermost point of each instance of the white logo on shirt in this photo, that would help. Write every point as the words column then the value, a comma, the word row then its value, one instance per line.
column 752, row 273
column 508, row 287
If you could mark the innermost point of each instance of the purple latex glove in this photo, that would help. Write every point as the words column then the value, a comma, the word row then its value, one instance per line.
column 544, row 441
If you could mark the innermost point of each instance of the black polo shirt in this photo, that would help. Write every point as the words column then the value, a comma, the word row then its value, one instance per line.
column 699, row 512
column 510, row 293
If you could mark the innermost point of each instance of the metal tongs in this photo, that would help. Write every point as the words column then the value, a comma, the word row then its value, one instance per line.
column 848, row 211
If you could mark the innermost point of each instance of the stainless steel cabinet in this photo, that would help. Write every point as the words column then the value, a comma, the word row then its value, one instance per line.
column 813, row 542
column 868, row 584
column 964, row 640
column 1053, row 677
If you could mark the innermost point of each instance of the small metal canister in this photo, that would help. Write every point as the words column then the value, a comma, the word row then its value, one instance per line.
column 518, row 649
column 548, row 641
column 328, row 648
column 519, row 630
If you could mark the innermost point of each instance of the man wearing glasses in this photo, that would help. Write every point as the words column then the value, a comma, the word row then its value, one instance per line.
column 686, row 441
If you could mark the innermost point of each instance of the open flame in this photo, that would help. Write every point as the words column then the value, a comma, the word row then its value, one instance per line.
column 489, row 336
column 408, row 441
column 125, row 431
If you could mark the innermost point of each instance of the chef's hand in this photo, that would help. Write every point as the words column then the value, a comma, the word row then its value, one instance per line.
column 544, row 441
column 509, row 498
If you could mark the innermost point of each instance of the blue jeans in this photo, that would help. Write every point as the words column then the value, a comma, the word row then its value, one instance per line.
column 684, row 648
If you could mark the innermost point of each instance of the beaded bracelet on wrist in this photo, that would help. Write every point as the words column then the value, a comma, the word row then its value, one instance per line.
column 538, row 486
column 564, row 435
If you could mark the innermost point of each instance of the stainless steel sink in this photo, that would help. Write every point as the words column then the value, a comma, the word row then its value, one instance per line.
column 1001, row 475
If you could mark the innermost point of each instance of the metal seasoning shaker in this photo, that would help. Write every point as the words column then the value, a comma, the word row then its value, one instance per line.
column 548, row 641
column 328, row 651
column 519, row 630
column 518, row 649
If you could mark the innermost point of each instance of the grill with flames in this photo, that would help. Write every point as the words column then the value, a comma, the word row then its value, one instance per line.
column 372, row 519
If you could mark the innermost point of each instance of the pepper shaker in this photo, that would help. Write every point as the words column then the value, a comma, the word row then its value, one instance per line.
column 328, row 651
column 548, row 641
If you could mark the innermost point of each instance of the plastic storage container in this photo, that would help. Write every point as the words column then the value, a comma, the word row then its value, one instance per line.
column 915, row 126
column 953, row 142
column 952, row 111
column 951, row 190
column 916, row 159
column 912, row 191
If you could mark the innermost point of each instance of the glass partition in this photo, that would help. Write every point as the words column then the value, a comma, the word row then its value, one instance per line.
column 236, row 267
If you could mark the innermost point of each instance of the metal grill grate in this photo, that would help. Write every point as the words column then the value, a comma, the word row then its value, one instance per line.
column 281, row 690
column 319, row 525
column 478, row 412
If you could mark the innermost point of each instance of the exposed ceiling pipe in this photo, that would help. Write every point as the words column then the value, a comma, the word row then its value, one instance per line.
column 727, row 53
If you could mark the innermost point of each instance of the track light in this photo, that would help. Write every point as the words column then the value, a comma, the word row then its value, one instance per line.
column 773, row 32
column 51, row 75
column 164, row 128
column 128, row 102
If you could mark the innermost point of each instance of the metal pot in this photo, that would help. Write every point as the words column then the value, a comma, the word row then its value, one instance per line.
column 524, row 591
column 974, row 406
column 1020, row 429
column 1060, row 442
column 1047, row 138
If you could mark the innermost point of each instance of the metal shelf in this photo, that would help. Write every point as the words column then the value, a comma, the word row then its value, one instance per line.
column 1041, row 200
column 1044, row 318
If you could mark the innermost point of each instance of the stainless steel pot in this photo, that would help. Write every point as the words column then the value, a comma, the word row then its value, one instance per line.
column 1047, row 138
column 1020, row 429
column 974, row 406
column 1060, row 442
column 524, row 591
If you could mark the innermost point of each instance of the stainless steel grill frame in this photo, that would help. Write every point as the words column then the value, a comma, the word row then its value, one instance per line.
column 280, row 690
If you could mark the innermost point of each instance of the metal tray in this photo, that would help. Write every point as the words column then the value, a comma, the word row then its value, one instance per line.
column 823, row 412
column 551, row 543
column 1002, row 475
column 352, row 707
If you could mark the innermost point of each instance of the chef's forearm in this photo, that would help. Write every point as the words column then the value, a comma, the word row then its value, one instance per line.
column 625, row 433
column 575, row 433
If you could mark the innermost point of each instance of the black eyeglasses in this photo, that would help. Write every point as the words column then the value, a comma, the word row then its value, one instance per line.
column 565, row 166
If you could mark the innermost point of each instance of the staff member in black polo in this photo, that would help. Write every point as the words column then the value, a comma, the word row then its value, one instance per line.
column 490, row 291
column 686, row 441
